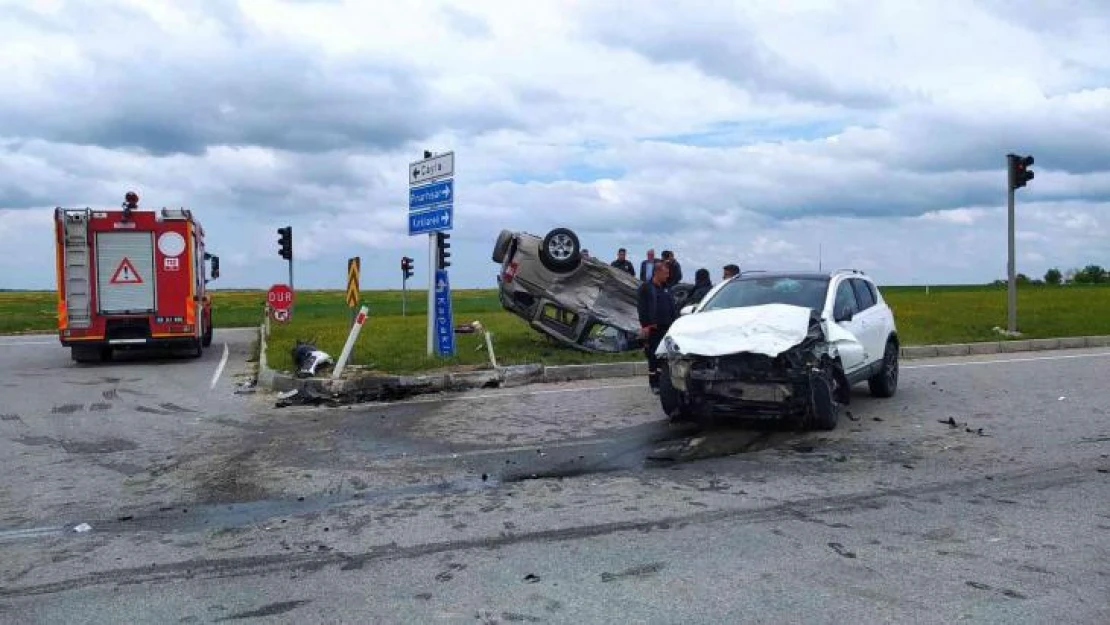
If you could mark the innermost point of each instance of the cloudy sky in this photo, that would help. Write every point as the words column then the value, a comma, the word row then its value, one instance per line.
column 754, row 131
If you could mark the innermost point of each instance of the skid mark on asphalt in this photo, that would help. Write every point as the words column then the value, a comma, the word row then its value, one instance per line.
column 1015, row 484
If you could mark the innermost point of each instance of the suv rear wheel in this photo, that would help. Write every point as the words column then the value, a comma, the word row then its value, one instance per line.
column 560, row 250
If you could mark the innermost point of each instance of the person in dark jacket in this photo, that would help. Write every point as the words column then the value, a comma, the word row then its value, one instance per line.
column 702, row 285
column 675, row 268
column 730, row 271
column 657, row 310
column 647, row 266
column 623, row 263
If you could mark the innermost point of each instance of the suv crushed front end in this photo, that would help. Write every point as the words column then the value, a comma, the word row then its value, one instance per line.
column 770, row 367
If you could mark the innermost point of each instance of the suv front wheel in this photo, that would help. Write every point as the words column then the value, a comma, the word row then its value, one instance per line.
column 885, row 382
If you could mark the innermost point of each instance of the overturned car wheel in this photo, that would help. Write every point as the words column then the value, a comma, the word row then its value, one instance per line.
column 560, row 251
column 501, row 247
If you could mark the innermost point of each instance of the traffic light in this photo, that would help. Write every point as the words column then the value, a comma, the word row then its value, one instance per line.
column 441, row 250
column 406, row 267
column 285, row 242
column 1019, row 172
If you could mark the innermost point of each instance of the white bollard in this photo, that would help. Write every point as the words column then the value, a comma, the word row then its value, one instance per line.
column 360, row 319
column 489, row 346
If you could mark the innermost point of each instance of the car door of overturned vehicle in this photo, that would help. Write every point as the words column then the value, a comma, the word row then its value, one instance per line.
column 853, row 356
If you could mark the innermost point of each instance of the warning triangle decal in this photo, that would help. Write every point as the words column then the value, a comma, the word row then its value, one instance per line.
column 125, row 273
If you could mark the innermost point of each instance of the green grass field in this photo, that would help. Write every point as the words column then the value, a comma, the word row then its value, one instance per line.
column 390, row 342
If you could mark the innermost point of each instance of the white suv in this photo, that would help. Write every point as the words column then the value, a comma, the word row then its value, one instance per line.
column 781, row 343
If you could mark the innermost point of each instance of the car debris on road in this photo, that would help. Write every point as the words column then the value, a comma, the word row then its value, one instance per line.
column 308, row 359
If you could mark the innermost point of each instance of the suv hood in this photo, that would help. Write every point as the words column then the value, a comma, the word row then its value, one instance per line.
column 769, row 329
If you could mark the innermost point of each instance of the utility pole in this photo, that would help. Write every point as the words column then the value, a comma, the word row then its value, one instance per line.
column 1017, row 176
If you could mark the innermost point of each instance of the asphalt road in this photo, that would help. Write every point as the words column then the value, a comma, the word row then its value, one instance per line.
column 551, row 503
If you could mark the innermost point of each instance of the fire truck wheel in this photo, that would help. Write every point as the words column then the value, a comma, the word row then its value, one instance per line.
column 86, row 354
column 207, row 340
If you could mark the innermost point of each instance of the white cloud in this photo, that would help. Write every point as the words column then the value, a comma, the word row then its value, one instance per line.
column 846, row 133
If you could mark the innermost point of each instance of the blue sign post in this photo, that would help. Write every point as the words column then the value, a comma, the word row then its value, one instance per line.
column 431, row 211
column 445, row 327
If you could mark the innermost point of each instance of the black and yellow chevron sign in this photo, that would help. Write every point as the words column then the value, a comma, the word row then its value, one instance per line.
column 353, row 265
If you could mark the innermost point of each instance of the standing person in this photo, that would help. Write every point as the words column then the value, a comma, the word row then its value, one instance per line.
column 623, row 263
column 674, row 266
column 702, row 286
column 730, row 271
column 647, row 266
column 657, row 311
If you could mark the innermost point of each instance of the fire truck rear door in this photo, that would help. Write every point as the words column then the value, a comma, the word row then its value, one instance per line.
column 125, row 272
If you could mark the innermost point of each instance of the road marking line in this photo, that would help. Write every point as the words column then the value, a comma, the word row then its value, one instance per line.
column 12, row 344
column 1002, row 361
column 32, row 532
column 219, row 368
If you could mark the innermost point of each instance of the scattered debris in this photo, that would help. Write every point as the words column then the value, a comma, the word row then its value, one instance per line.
column 908, row 466
column 127, row 517
column 840, row 549
column 308, row 359
column 1103, row 470
column 305, row 397
column 531, row 579
column 82, row 528
column 978, row 431
column 851, row 416
column 246, row 387
column 841, row 458
column 950, row 422
column 1062, row 398
column 469, row 328
column 876, row 418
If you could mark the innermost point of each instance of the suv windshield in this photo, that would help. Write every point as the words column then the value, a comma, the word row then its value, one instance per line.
column 803, row 291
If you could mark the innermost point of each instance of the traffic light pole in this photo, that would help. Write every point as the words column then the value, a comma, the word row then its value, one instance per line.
column 432, row 266
column 1011, row 269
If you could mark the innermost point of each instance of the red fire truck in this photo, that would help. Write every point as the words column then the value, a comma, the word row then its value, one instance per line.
column 132, row 278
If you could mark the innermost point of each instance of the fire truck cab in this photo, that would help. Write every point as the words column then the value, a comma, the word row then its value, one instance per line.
column 131, row 279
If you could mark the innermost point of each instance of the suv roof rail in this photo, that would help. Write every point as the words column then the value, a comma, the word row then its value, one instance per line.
column 855, row 271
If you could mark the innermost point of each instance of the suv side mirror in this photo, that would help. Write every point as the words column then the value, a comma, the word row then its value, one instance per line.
column 215, row 267
column 686, row 310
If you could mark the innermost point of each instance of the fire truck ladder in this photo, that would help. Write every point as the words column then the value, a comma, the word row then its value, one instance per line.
column 78, row 302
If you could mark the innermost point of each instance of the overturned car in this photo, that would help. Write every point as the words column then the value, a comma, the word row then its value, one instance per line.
column 789, row 345
column 578, row 301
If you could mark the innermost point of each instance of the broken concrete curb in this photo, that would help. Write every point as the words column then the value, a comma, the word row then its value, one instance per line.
column 520, row 375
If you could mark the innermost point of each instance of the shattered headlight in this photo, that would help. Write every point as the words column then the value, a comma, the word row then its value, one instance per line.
column 671, row 346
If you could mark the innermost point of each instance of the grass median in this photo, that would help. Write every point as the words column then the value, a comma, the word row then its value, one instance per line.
column 394, row 343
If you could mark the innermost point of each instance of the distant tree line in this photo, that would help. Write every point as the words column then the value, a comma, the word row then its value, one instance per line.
column 1091, row 274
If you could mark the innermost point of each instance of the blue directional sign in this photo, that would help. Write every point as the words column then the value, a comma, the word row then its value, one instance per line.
column 429, row 195
column 445, row 326
column 433, row 220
